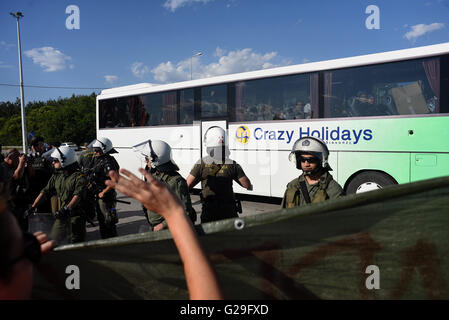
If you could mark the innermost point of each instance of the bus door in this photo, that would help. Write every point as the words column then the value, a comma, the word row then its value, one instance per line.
column 206, row 125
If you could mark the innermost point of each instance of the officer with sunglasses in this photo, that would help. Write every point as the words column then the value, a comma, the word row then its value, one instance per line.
column 315, row 184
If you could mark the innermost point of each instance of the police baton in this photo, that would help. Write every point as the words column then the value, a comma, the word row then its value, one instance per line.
column 122, row 201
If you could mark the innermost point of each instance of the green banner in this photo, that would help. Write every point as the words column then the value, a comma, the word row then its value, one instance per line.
column 387, row 244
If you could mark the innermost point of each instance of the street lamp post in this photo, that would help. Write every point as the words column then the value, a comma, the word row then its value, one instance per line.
column 19, row 15
column 195, row 55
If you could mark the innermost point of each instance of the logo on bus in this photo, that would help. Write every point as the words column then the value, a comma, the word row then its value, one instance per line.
column 242, row 134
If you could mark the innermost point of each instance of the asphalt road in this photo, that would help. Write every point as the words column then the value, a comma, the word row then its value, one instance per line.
column 132, row 220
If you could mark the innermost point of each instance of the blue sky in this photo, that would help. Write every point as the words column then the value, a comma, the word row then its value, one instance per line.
column 128, row 42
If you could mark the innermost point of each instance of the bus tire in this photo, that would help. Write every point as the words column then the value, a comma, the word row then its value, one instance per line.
column 369, row 181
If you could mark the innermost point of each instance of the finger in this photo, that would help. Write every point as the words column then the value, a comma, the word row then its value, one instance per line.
column 42, row 238
column 37, row 233
column 123, row 186
column 148, row 176
column 126, row 186
column 47, row 246
column 132, row 176
column 114, row 175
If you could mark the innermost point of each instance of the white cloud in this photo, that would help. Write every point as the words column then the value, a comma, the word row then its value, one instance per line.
column 421, row 29
column 219, row 52
column 110, row 78
column 234, row 62
column 139, row 70
column 172, row 5
column 49, row 58
column 167, row 72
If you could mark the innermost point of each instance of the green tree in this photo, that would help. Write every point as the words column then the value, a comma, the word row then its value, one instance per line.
column 68, row 119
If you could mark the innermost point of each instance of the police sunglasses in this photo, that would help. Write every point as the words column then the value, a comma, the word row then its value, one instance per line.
column 31, row 251
column 309, row 160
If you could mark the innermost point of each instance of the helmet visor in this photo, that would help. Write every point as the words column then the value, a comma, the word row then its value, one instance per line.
column 97, row 144
column 143, row 148
column 47, row 155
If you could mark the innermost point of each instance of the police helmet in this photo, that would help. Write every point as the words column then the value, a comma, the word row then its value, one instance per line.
column 214, row 137
column 311, row 145
column 65, row 155
column 104, row 144
column 215, row 143
column 158, row 151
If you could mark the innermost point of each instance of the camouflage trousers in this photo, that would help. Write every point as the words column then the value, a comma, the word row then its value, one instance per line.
column 69, row 230
column 107, row 217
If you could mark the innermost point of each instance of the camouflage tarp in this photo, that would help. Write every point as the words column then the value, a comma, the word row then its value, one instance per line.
column 318, row 251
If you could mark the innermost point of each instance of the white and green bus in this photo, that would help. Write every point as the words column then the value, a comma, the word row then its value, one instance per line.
column 384, row 117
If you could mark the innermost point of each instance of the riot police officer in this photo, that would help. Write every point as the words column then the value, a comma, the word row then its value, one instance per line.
column 216, row 173
column 86, row 158
column 69, row 185
column 40, row 173
column 161, row 166
column 105, row 196
column 315, row 184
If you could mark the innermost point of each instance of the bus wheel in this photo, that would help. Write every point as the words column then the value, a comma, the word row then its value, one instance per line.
column 369, row 181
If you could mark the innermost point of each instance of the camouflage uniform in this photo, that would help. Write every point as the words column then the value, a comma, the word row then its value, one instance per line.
column 179, row 186
column 217, row 195
column 105, row 207
column 72, row 228
column 326, row 188
column 86, row 159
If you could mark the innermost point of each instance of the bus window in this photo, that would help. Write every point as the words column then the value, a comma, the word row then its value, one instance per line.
column 280, row 98
column 169, row 108
column 186, row 106
column 160, row 109
column 214, row 101
column 400, row 88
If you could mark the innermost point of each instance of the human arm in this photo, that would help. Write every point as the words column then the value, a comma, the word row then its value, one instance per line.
column 104, row 191
column 201, row 279
column 74, row 202
column 192, row 181
column 111, row 165
column 241, row 178
column 245, row 183
column 38, row 200
column 18, row 173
